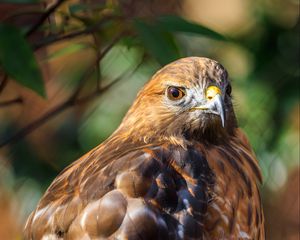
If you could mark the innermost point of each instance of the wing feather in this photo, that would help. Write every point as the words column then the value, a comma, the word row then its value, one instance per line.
column 132, row 196
column 154, row 192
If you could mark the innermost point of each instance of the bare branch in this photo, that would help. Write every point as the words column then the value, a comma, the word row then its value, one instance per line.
column 91, row 69
column 8, row 103
column 19, row 13
column 57, row 38
column 98, row 92
column 35, row 124
column 71, row 101
column 57, row 110
column 3, row 82
column 44, row 17
column 97, row 66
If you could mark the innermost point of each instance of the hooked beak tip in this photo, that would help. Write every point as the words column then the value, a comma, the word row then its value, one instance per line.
column 216, row 105
column 219, row 105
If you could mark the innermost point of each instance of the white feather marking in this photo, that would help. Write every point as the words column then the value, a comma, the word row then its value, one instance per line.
column 180, row 231
column 216, row 207
column 39, row 213
column 225, row 218
column 244, row 235
column 50, row 237
column 83, row 219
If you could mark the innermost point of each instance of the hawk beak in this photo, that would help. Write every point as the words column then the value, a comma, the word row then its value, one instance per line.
column 215, row 103
column 219, row 106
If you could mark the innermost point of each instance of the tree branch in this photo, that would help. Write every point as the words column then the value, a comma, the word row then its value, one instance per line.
column 3, row 82
column 72, row 100
column 59, row 109
column 43, row 18
column 90, row 70
column 57, row 38
column 8, row 103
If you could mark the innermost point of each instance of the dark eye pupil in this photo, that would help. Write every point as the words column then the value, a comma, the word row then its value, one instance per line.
column 175, row 92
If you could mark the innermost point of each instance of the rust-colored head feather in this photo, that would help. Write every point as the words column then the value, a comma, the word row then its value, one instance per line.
column 155, row 115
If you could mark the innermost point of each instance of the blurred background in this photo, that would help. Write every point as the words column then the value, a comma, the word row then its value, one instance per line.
column 71, row 69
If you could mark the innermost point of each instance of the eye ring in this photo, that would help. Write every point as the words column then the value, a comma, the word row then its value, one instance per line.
column 175, row 93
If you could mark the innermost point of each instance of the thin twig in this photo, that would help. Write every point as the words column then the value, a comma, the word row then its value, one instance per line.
column 43, row 18
column 97, row 66
column 59, row 109
column 3, row 82
column 91, row 69
column 70, row 102
column 37, row 123
column 20, row 12
column 98, row 76
column 98, row 92
column 56, row 38
column 8, row 103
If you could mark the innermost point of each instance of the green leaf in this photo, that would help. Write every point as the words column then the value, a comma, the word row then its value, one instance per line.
column 157, row 41
column 130, row 41
column 178, row 24
column 69, row 49
column 17, row 59
column 79, row 7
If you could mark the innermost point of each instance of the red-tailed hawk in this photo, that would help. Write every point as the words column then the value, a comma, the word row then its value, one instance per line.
column 178, row 167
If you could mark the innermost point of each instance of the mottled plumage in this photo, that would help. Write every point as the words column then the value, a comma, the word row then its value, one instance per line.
column 178, row 167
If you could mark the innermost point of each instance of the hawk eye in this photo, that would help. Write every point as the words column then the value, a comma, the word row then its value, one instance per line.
column 175, row 93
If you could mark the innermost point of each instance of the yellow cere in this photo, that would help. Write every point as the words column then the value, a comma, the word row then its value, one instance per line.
column 212, row 91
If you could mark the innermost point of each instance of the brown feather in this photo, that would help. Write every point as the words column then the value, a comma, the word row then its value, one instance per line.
column 163, row 174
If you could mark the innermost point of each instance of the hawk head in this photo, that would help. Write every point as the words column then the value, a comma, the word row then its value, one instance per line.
column 189, row 98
